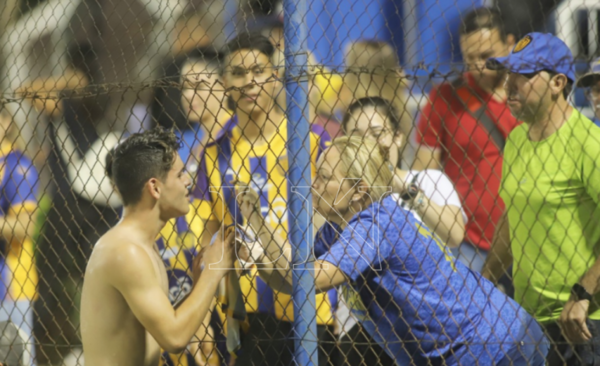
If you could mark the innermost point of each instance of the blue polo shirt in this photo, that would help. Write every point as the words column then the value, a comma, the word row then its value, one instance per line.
column 414, row 298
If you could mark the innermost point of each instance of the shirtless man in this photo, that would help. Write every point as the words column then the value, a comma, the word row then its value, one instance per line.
column 126, row 316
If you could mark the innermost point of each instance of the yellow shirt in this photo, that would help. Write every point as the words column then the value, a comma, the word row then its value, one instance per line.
column 264, row 167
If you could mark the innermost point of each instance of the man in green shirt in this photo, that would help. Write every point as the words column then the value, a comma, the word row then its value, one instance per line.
column 550, row 230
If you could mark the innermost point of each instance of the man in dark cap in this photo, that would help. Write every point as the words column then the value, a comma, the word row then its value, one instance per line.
column 591, row 81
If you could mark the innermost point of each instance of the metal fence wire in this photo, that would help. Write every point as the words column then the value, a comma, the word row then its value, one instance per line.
column 412, row 182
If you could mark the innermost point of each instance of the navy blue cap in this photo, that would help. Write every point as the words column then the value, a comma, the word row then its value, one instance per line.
column 592, row 76
column 537, row 52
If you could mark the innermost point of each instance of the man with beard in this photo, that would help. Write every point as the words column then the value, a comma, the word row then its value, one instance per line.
column 551, row 189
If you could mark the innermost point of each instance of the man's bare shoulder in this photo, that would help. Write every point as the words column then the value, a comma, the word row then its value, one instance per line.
column 119, row 255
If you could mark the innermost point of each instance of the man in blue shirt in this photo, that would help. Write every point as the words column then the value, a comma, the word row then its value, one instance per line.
column 591, row 80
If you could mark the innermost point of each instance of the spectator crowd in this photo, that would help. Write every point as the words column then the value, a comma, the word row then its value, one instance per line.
column 496, row 166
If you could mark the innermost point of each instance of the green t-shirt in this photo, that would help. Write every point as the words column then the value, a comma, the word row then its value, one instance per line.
column 551, row 190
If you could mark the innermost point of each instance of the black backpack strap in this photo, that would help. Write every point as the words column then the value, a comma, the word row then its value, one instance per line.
column 492, row 128
column 480, row 114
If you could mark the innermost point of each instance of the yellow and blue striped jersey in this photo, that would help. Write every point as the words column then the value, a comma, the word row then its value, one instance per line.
column 18, row 191
column 264, row 167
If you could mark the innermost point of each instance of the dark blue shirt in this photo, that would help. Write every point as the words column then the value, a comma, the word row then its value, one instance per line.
column 413, row 297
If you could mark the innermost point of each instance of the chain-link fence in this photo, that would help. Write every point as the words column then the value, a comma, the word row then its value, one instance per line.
column 416, row 164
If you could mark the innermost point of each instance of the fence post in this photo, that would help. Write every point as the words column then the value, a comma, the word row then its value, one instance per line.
column 300, row 202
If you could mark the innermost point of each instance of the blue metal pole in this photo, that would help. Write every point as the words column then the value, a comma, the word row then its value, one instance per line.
column 300, row 202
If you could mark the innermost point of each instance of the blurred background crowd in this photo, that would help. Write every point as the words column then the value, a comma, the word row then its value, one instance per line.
column 77, row 75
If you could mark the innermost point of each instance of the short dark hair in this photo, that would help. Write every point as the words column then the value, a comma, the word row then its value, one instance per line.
column 380, row 104
column 207, row 55
column 249, row 41
column 140, row 157
column 483, row 18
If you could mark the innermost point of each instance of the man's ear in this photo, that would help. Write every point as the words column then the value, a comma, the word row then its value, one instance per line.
column 154, row 188
column 558, row 83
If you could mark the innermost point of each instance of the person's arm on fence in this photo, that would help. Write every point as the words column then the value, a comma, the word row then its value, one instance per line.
column 132, row 273
column 274, row 266
column 43, row 92
column 500, row 256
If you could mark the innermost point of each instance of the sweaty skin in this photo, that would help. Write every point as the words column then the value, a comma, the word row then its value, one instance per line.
column 112, row 333
column 126, row 315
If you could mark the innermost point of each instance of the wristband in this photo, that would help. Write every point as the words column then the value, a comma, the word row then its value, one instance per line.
column 411, row 193
column 419, row 201
column 580, row 293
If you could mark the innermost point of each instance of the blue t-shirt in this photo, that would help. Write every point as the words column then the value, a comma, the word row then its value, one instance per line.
column 419, row 303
